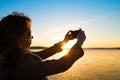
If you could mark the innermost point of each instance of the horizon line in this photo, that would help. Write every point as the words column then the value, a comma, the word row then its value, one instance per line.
column 43, row 47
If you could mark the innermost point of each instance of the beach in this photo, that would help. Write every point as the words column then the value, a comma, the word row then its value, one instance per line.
column 96, row 64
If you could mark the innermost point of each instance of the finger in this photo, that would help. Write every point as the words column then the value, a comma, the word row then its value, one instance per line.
column 69, row 32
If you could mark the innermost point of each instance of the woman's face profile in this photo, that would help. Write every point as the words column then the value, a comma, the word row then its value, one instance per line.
column 25, row 40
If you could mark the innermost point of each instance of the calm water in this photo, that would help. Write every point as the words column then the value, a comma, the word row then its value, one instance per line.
column 94, row 65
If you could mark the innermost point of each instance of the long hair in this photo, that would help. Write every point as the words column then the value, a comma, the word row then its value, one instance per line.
column 12, row 27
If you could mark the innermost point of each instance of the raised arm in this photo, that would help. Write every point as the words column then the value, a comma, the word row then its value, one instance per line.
column 56, row 66
column 55, row 48
column 49, row 51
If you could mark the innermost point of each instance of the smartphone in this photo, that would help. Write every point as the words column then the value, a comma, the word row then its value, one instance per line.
column 74, row 33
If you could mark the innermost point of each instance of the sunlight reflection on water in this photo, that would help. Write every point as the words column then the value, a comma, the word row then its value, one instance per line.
column 94, row 65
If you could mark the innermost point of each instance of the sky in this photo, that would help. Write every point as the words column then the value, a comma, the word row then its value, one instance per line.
column 52, row 19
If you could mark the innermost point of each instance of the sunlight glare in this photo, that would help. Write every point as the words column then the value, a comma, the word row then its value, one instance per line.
column 69, row 44
column 65, row 51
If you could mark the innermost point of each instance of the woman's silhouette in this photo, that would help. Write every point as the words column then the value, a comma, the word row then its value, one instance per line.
column 17, row 62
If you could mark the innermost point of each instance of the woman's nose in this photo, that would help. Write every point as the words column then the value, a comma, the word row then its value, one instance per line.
column 31, row 37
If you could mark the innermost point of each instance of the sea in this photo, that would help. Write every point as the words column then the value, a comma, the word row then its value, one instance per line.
column 96, row 64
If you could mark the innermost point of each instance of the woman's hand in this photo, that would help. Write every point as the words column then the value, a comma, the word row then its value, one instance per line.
column 81, row 37
column 68, row 37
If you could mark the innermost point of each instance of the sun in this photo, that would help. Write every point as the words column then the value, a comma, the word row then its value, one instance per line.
column 69, row 44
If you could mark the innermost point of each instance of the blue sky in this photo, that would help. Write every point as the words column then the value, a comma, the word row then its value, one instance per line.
column 51, row 19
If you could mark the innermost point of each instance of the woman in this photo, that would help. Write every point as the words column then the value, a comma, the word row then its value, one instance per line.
column 18, row 63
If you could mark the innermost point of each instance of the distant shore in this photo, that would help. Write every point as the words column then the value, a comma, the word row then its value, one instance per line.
column 103, row 48
column 41, row 47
